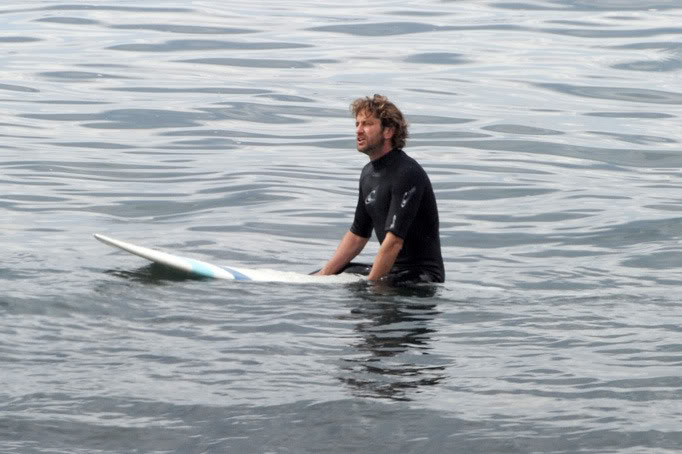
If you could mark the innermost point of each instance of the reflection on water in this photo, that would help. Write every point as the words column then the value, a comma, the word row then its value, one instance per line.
column 391, row 352
column 154, row 274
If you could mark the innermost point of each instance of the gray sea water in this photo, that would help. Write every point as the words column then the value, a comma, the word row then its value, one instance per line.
column 220, row 130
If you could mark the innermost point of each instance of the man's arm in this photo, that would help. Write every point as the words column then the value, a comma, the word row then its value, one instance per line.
column 351, row 245
column 388, row 252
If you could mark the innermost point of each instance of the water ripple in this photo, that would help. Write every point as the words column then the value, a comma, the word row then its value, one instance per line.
column 639, row 95
column 204, row 45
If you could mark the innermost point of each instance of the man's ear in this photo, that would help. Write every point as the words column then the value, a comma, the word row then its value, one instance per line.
column 388, row 132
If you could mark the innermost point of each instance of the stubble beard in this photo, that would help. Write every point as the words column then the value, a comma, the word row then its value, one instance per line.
column 372, row 148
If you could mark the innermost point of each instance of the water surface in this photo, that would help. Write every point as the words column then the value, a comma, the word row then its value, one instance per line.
column 220, row 130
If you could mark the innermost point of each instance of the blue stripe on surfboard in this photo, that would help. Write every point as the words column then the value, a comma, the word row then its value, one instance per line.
column 204, row 270
column 200, row 269
column 237, row 275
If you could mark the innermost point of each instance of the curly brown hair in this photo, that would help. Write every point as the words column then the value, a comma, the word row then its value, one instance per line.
column 390, row 116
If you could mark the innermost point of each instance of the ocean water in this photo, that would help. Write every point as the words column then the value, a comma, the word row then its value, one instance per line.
column 551, row 130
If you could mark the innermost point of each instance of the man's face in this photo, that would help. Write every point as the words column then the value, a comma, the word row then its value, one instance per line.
column 369, row 135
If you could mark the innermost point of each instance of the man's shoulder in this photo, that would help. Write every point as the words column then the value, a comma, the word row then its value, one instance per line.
column 407, row 159
column 410, row 166
column 367, row 169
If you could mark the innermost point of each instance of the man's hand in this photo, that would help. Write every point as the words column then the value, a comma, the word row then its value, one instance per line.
column 388, row 252
column 351, row 245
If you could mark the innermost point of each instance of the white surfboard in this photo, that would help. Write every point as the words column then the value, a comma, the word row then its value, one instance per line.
column 199, row 268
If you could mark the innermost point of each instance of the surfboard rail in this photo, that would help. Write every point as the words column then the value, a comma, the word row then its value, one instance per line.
column 199, row 268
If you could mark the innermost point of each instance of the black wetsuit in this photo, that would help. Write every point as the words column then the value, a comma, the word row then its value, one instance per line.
column 396, row 196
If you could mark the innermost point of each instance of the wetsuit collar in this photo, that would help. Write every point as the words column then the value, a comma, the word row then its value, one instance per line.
column 386, row 159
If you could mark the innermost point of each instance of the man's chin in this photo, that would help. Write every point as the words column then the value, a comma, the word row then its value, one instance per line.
column 369, row 149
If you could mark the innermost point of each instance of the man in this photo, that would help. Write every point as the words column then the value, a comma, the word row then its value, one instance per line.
column 396, row 200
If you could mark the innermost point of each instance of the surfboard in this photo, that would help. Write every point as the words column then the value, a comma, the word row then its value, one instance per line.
column 201, row 269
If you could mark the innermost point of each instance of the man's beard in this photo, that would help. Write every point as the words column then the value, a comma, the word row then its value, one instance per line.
column 372, row 148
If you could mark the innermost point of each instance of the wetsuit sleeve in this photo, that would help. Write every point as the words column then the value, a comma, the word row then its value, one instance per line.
column 406, row 197
column 362, row 223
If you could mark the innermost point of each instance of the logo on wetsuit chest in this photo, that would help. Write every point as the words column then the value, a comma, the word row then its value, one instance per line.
column 371, row 197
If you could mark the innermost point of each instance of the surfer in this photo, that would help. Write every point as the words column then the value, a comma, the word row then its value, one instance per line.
column 396, row 200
